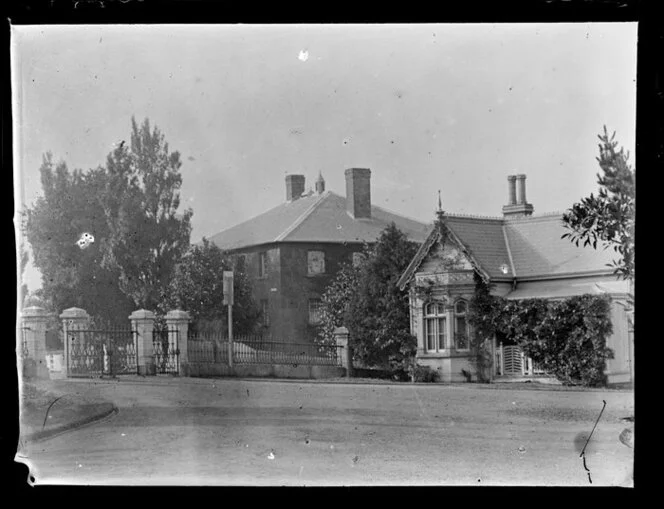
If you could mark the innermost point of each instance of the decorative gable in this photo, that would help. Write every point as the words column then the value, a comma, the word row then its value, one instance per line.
column 442, row 252
column 445, row 258
column 445, row 265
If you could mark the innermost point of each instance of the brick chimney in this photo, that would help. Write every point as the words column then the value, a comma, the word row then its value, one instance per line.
column 358, row 192
column 294, row 187
column 517, row 205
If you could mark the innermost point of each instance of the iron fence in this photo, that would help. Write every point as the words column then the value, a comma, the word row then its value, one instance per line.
column 101, row 352
column 166, row 350
column 213, row 348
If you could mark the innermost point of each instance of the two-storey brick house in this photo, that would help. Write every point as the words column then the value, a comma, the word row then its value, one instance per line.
column 293, row 251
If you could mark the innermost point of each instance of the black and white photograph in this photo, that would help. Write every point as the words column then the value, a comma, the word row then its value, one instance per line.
column 360, row 254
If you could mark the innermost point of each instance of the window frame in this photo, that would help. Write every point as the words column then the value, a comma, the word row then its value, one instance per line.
column 433, row 320
column 317, row 309
column 265, row 312
column 357, row 258
column 323, row 271
column 262, row 264
column 466, row 333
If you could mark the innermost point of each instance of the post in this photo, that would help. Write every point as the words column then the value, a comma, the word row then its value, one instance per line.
column 341, row 337
column 493, row 358
column 177, row 322
column 33, row 339
column 228, row 300
column 73, row 319
column 142, row 322
column 502, row 359
column 523, row 362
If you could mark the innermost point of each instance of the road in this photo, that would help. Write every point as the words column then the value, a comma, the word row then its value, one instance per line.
column 255, row 432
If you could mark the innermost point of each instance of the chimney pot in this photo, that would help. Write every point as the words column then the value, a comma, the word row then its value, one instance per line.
column 358, row 192
column 511, row 185
column 521, row 188
column 294, row 187
column 517, row 206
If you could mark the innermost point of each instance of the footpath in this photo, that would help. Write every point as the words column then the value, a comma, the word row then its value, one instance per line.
column 46, row 410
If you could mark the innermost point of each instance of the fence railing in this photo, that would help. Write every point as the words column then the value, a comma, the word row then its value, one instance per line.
column 213, row 348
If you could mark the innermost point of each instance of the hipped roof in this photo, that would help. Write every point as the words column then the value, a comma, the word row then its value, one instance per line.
column 316, row 218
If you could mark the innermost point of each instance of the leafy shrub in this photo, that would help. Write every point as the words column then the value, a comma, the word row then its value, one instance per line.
column 567, row 337
column 425, row 374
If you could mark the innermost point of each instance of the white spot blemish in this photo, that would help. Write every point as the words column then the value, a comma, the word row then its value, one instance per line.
column 304, row 55
column 85, row 240
column 270, row 456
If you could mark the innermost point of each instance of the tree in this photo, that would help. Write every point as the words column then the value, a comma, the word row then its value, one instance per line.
column 140, row 200
column 130, row 208
column 608, row 217
column 377, row 312
column 197, row 287
column 72, row 276
column 335, row 301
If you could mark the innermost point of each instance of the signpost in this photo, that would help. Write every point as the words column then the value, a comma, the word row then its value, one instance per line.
column 228, row 301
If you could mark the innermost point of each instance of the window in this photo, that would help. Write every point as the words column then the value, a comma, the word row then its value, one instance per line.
column 460, row 326
column 240, row 262
column 315, row 263
column 358, row 258
column 435, row 327
column 265, row 313
column 262, row 264
column 315, row 311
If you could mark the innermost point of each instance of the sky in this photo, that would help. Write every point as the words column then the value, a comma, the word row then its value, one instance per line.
column 450, row 107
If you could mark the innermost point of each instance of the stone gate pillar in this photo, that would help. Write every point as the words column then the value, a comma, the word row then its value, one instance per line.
column 73, row 319
column 142, row 321
column 341, row 337
column 32, row 342
column 177, row 322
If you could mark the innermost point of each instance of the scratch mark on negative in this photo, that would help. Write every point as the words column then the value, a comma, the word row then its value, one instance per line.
column 49, row 408
column 583, row 451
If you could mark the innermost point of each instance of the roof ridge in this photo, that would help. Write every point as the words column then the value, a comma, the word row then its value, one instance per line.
column 474, row 216
column 401, row 215
column 544, row 215
column 302, row 217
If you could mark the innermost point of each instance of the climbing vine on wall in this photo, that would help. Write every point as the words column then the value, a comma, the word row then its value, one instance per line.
column 567, row 338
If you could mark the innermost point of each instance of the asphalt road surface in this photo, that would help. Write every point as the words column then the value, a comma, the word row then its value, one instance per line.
column 243, row 432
